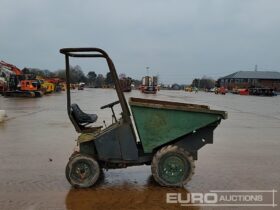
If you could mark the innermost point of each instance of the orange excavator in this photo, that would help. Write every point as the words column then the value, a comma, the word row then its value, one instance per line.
column 10, row 67
column 19, row 84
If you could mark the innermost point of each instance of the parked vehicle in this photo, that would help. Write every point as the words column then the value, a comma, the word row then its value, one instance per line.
column 221, row 90
column 149, row 85
column 243, row 92
column 262, row 92
column 19, row 84
column 125, row 84
column 47, row 87
column 23, row 88
column 170, row 134
column 81, row 86
column 189, row 89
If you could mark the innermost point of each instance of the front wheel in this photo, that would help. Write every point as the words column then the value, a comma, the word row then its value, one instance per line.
column 172, row 166
column 82, row 171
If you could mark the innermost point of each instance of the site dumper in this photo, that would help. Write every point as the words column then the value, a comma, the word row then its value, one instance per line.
column 170, row 134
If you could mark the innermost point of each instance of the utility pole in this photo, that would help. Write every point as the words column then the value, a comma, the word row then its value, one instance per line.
column 256, row 67
column 147, row 68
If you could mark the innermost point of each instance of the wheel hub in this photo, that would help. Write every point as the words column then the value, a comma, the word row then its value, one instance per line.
column 172, row 168
column 81, row 171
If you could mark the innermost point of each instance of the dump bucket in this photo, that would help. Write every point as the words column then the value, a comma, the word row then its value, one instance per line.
column 160, row 122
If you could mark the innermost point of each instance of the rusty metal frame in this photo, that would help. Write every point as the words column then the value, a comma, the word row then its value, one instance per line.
column 93, row 53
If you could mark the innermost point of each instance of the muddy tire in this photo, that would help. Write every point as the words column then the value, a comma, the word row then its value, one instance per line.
column 172, row 166
column 74, row 154
column 82, row 171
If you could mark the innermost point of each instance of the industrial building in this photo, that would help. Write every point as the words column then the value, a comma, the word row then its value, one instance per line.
column 251, row 79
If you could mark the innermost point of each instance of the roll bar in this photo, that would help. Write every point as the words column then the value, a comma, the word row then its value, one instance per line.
column 94, row 53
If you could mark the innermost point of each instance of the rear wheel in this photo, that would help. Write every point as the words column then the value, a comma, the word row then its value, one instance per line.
column 82, row 171
column 172, row 166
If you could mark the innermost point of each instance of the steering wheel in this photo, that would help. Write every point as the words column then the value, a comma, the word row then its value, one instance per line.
column 110, row 105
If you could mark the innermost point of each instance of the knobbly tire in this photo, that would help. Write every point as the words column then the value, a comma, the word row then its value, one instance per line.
column 75, row 153
column 82, row 171
column 172, row 166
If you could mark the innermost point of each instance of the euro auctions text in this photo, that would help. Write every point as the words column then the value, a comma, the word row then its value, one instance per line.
column 235, row 198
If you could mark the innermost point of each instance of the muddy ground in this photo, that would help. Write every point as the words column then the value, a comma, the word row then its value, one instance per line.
column 37, row 138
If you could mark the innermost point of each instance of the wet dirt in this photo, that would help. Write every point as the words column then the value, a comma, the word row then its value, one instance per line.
column 37, row 138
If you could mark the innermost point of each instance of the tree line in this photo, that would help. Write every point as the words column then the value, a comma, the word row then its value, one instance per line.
column 203, row 83
column 76, row 76
column 93, row 79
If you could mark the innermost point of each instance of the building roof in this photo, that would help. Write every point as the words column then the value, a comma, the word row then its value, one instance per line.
column 253, row 75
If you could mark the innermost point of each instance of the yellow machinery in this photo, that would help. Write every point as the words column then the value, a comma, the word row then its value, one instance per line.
column 49, row 87
column 188, row 89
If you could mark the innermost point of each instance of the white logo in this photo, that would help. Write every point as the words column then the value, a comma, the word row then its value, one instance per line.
column 224, row 198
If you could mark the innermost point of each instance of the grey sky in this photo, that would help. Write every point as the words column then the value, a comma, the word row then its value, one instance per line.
column 177, row 39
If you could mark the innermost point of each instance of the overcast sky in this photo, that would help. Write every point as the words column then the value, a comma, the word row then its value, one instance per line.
column 177, row 39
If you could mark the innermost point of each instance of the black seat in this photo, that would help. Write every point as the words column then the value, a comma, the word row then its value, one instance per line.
column 81, row 117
